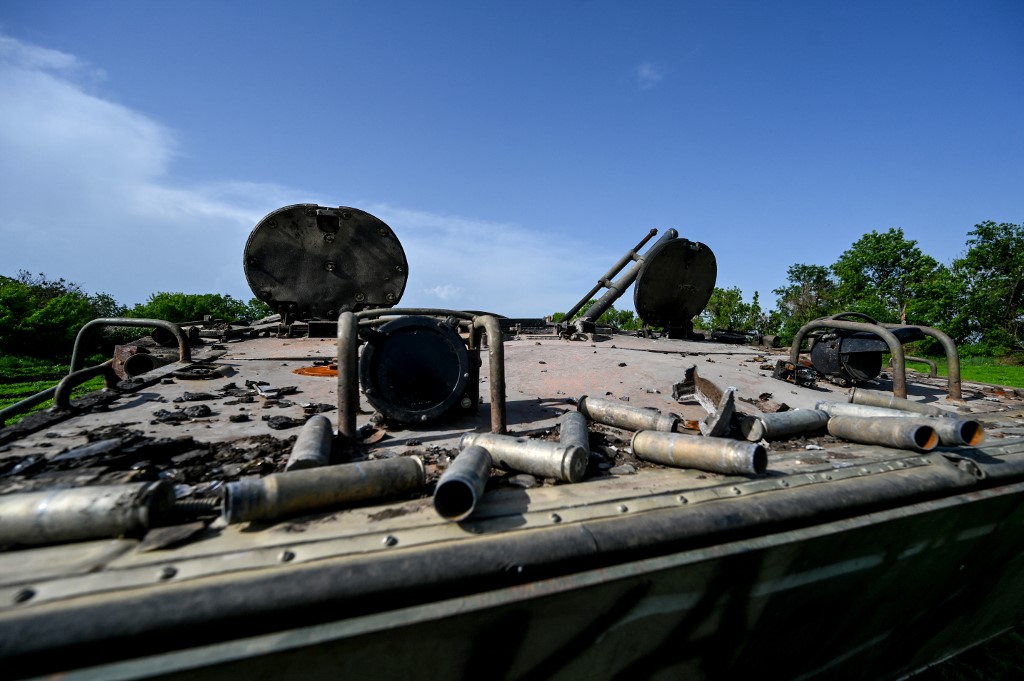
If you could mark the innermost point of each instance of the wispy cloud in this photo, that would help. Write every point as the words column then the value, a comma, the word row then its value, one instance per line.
column 648, row 75
column 86, row 194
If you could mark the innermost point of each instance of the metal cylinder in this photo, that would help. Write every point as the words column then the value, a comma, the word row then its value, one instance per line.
column 572, row 430
column 536, row 457
column 875, row 398
column 140, row 363
column 899, row 433
column 282, row 494
column 462, row 485
column 952, row 432
column 782, row 423
column 712, row 454
column 312, row 447
column 67, row 515
column 615, row 413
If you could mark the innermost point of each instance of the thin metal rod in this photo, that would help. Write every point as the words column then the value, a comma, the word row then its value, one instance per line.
column 607, row 278
column 954, row 385
column 62, row 392
column 617, row 288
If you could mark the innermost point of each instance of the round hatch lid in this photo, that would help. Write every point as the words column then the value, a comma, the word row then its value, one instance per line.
column 675, row 283
column 312, row 262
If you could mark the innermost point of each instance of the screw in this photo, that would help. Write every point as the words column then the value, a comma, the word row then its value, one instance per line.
column 622, row 508
column 390, row 297
column 466, row 403
column 287, row 556
column 360, row 296
column 390, row 540
column 555, row 518
column 330, row 266
column 24, row 595
column 168, row 572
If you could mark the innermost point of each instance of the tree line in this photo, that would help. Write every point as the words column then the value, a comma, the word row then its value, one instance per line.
column 40, row 316
column 978, row 299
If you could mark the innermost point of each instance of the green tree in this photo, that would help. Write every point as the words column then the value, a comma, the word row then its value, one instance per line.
column 40, row 317
column 885, row 275
column 810, row 293
column 991, row 276
column 187, row 307
column 620, row 319
column 727, row 311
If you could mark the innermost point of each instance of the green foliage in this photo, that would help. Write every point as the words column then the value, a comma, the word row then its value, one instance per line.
column 619, row 319
column 990, row 277
column 727, row 311
column 884, row 275
column 188, row 307
column 811, row 293
column 40, row 317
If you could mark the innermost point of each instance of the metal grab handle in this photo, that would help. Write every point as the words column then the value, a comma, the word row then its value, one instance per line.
column 62, row 393
column 77, row 359
column 899, row 375
column 348, row 359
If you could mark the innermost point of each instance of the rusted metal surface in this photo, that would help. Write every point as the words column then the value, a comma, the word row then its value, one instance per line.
column 357, row 568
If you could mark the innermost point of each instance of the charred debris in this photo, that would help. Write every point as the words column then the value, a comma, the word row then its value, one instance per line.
column 338, row 274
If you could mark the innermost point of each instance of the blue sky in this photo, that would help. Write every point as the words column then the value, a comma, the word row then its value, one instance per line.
column 517, row 149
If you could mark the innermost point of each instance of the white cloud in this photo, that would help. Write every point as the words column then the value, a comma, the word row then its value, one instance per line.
column 85, row 194
column 649, row 75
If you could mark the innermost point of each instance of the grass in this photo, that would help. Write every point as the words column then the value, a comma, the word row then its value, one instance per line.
column 994, row 370
column 22, row 377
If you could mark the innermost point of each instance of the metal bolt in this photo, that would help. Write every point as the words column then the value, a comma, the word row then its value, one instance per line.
column 466, row 402
column 390, row 540
column 390, row 297
column 368, row 391
column 287, row 556
column 310, row 212
column 423, row 417
column 555, row 518
column 399, row 269
column 252, row 261
column 622, row 508
column 737, row 490
column 382, row 231
column 360, row 296
column 683, row 500
column 329, row 238
column 345, row 215
column 330, row 266
column 24, row 595
column 265, row 295
column 168, row 572
column 272, row 224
